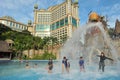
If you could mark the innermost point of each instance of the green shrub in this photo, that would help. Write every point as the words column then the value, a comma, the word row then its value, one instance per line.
column 45, row 56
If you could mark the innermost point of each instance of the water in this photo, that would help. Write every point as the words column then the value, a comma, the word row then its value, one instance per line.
column 85, row 42
column 14, row 70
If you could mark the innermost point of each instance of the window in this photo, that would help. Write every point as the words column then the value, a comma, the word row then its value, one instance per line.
column 57, row 24
column 74, row 22
column 50, row 27
column 61, row 22
column 41, row 27
column 53, row 27
column 66, row 20
column 22, row 27
column 7, row 22
column 17, row 26
column 13, row 24
column 10, row 24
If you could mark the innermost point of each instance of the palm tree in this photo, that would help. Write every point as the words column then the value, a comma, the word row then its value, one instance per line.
column 18, row 48
column 28, row 43
column 46, row 41
column 53, row 42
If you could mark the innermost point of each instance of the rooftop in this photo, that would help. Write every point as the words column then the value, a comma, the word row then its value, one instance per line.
column 8, row 17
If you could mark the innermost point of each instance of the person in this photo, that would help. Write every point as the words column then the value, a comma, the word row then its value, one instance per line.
column 101, row 62
column 65, row 64
column 35, row 65
column 81, row 64
column 27, row 65
column 50, row 66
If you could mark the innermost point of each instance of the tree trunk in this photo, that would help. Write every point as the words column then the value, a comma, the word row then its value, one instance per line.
column 28, row 53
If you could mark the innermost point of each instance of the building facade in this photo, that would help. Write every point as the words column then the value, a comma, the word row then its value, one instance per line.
column 5, row 52
column 42, row 20
column 57, row 21
column 11, row 23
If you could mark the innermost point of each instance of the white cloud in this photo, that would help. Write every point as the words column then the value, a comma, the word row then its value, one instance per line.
column 113, row 13
column 15, row 4
column 7, row 4
column 23, row 19
column 21, row 10
column 41, row 4
column 116, row 8
column 112, row 20
column 114, row 17
column 59, row 1
column 44, row 4
column 112, row 9
column 26, row 2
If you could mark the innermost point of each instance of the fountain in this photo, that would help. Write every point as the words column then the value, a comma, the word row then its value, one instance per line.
column 86, row 40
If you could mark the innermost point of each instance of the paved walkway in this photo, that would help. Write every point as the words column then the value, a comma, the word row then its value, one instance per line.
column 4, row 59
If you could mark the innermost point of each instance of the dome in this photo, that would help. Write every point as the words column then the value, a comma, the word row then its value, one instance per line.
column 93, row 16
column 9, row 41
column 35, row 6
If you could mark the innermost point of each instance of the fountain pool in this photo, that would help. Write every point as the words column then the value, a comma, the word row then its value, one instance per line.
column 14, row 70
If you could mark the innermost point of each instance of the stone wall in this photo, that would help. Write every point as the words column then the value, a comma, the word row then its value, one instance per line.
column 117, row 27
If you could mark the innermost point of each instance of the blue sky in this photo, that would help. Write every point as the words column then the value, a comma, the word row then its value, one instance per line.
column 22, row 10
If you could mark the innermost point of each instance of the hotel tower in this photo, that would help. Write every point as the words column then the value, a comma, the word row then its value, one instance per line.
column 57, row 21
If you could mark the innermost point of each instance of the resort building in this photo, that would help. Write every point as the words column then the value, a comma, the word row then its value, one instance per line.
column 11, row 23
column 5, row 51
column 42, row 20
column 57, row 21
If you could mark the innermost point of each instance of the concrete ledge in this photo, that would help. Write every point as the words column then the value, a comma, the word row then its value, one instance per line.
column 4, row 59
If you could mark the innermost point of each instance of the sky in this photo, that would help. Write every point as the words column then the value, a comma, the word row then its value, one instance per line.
column 22, row 10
